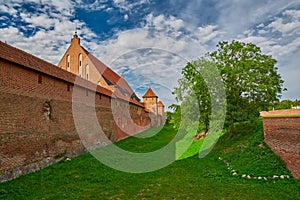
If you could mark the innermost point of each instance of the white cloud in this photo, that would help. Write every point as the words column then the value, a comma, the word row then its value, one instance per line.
column 129, row 6
column 126, row 17
column 38, row 20
column 287, row 28
column 208, row 33
column 47, row 27
column 159, row 32
column 94, row 6
column 295, row 14
column 237, row 16
column 119, row 1
column 6, row 9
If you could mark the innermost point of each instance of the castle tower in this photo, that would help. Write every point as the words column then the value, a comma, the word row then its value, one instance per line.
column 150, row 101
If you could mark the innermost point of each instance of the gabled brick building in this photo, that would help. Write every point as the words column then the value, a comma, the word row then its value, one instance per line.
column 82, row 63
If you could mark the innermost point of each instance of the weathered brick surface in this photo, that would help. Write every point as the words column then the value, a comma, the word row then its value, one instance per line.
column 37, row 124
column 282, row 134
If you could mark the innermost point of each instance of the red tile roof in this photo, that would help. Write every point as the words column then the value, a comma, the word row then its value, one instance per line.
column 149, row 93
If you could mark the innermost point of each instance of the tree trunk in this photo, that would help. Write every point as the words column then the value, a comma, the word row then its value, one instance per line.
column 231, row 131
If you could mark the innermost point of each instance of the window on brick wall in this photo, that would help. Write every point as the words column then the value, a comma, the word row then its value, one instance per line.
column 87, row 71
column 86, row 92
column 68, row 63
column 68, row 87
column 80, row 65
column 40, row 79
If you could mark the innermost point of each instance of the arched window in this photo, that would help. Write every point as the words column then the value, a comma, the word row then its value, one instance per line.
column 80, row 65
column 68, row 63
column 87, row 71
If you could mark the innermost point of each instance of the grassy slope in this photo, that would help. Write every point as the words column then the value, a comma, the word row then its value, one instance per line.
column 194, row 178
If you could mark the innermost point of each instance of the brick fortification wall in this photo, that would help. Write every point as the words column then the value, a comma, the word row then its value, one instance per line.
column 282, row 134
column 37, row 125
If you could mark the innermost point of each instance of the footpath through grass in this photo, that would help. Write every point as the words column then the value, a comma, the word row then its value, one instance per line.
column 85, row 177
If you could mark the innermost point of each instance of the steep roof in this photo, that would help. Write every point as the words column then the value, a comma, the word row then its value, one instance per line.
column 149, row 94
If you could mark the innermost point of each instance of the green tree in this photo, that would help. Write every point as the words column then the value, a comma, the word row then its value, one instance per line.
column 296, row 103
column 251, row 79
column 175, row 116
column 284, row 104
column 193, row 83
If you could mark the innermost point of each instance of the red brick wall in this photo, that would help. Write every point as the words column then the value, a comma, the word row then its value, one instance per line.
column 282, row 134
column 30, row 139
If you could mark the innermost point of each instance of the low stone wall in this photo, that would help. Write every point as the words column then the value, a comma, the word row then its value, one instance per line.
column 282, row 134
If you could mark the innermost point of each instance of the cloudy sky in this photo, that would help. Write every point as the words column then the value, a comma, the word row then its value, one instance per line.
column 149, row 41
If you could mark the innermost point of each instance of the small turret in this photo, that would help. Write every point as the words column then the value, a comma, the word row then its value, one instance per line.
column 75, row 39
column 150, row 101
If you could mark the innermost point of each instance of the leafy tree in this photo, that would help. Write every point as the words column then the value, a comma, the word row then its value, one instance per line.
column 175, row 116
column 296, row 103
column 251, row 82
column 251, row 79
column 193, row 83
column 285, row 104
column 169, row 116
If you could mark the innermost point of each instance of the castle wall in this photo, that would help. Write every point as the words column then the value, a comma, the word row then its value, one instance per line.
column 37, row 125
column 282, row 134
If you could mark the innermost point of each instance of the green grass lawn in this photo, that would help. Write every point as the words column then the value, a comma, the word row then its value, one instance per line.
column 85, row 177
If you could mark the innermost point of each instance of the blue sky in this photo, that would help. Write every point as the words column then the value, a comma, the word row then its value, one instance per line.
column 149, row 41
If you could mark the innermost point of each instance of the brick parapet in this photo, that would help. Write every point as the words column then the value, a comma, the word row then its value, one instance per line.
column 282, row 134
